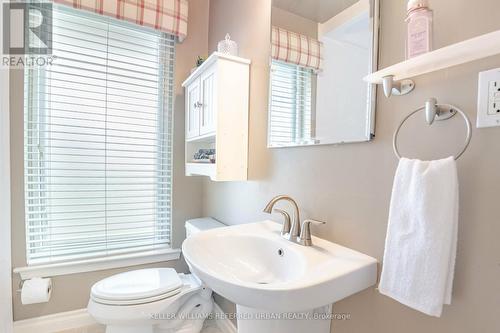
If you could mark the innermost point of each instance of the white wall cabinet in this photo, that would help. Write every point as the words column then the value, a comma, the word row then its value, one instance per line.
column 217, row 95
column 193, row 109
column 208, row 107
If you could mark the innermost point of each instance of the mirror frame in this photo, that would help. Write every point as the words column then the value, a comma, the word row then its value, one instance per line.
column 372, row 91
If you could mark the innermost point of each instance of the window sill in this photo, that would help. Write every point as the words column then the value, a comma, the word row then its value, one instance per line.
column 98, row 264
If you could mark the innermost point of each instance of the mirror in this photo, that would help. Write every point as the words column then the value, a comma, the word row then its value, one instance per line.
column 320, row 52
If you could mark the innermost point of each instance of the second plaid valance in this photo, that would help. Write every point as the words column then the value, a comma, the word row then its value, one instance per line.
column 292, row 47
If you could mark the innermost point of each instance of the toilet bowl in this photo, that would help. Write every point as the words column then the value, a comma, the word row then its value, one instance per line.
column 153, row 300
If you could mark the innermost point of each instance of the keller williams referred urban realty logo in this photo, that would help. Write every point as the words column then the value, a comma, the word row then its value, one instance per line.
column 27, row 34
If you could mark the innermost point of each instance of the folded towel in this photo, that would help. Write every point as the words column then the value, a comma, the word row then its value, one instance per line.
column 421, row 241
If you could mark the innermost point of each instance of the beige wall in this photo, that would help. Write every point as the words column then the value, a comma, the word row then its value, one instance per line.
column 72, row 291
column 349, row 185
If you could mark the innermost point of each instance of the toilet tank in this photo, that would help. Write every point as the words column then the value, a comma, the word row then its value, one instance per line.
column 203, row 223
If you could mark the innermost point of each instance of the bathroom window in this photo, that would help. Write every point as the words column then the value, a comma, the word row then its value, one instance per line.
column 98, row 141
column 290, row 103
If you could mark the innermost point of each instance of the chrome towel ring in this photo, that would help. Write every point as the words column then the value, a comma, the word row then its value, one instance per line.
column 434, row 111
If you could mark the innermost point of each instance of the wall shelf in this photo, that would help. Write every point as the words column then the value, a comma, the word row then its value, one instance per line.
column 201, row 169
column 466, row 51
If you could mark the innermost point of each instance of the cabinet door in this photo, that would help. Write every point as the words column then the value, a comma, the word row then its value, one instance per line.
column 193, row 106
column 208, row 111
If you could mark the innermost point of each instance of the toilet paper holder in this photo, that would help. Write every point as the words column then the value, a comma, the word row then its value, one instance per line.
column 21, row 284
column 35, row 290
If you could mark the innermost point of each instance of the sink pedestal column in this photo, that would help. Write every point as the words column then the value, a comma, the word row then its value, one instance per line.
column 263, row 321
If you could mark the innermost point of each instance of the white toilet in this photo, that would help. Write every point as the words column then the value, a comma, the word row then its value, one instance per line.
column 154, row 300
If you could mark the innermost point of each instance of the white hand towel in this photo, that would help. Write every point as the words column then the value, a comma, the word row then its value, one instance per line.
column 421, row 241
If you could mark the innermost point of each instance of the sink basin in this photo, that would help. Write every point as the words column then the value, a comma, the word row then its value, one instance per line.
column 254, row 267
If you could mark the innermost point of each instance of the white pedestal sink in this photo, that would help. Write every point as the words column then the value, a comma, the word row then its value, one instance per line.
column 278, row 286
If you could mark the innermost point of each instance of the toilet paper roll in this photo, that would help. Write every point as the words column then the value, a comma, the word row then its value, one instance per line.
column 36, row 290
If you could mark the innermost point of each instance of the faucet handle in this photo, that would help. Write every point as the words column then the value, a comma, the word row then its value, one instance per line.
column 287, row 223
column 305, row 234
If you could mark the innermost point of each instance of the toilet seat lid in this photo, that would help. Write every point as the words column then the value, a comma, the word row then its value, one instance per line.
column 137, row 284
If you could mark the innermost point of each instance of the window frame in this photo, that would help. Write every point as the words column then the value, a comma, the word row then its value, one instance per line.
column 166, row 98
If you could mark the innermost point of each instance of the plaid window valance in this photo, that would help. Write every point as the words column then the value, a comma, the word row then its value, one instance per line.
column 294, row 48
column 170, row 16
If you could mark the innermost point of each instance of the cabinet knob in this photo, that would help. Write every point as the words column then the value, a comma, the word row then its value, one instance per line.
column 198, row 105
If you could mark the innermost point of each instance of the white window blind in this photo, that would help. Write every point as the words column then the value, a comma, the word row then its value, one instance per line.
column 290, row 104
column 98, row 141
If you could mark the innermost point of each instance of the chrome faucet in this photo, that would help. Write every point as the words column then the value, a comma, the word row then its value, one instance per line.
column 285, row 230
column 305, row 234
column 294, row 233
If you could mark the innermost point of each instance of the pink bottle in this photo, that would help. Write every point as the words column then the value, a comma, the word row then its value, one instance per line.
column 419, row 35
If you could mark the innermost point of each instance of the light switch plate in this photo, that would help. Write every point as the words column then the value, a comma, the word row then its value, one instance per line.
column 488, row 101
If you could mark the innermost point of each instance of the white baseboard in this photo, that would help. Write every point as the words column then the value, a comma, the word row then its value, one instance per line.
column 56, row 322
column 223, row 323
column 80, row 318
